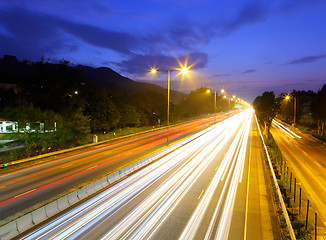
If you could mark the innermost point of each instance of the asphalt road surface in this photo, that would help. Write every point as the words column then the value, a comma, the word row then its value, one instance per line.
column 214, row 187
column 23, row 188
column 307, row 159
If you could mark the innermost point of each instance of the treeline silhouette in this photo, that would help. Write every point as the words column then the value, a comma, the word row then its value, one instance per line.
column 82, row 100
column 310, row 109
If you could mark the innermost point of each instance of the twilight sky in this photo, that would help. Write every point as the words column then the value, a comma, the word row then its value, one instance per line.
column 246, row 47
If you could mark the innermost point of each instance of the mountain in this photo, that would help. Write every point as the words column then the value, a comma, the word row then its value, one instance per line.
column 117, row 84
column 13, row 71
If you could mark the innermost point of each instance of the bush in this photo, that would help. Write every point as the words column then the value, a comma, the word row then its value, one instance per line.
column 320, row 137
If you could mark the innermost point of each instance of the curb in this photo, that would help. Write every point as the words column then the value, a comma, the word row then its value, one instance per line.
column 285, row 213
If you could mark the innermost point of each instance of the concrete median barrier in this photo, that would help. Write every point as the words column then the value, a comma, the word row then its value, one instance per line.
column 9, row 231
column 114, row 177
column 24, row 223
column 20, row 225
column 111, row 178
column 135, row 166
column 104, row 182
column 98, row 185
column 90, row 189
column 129, row 169
column 82, row 193
column 39, row 215
column 73, row 198
column 63, row 203
column 52, row 209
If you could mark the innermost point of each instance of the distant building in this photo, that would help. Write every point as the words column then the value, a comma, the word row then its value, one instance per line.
column 13, row 127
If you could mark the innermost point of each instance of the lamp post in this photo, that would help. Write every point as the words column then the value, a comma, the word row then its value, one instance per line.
column 184, row 71
column 288, row 97
column 208, row 91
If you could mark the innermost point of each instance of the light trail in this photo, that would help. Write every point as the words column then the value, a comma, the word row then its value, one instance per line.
column 174, row 177
column 284, row 129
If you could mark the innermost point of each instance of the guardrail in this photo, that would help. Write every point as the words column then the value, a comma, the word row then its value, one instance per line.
column 279, row 194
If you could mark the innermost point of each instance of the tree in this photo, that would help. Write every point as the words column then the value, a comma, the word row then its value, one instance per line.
column 102, row 112
column 36, row 128
column 199, row 102
column 318, row 108
column 266, row 107
column 73, row 130
column 129, row 117
column 151, row 106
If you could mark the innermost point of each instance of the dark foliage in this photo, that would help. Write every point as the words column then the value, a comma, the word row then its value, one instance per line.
column 266, row 107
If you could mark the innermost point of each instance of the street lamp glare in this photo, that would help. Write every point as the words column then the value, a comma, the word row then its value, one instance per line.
column 184, row 70
column 287, row 97
column 153, row 71
column 233, row 96
column 222, row 90
column 208, row 90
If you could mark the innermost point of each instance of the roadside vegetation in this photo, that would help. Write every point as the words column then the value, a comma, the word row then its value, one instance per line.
column 57, row 106
column 306, row 107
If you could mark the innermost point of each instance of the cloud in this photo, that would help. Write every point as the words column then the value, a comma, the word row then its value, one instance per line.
column 249, row 71
column 288, row 6
column 41, row 29
column 249, row 14
column 308, row 59
column 139, row 64
column 221, row 75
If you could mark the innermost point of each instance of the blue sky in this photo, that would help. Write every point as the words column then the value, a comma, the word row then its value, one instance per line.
column 246, row 47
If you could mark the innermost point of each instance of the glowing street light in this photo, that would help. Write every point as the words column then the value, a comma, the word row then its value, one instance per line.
column 183, row 70
column 215, row 110
column 288, row 97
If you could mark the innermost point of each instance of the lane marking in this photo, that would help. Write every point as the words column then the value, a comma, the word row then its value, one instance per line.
column 91, row 167
column 25, row 193
column 200, row 194
column 66, row 166
column 247, row 197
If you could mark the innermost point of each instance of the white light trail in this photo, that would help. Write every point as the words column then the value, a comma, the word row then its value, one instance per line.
column 284, row 129
column 188, row 163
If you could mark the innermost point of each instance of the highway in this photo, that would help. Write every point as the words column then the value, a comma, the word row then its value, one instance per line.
column 213, row 187
column 23, row 188
column 307, row 159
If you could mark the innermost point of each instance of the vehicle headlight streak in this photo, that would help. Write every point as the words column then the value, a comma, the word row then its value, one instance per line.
column 231, row 159
column 145, row 219
column 284, row 129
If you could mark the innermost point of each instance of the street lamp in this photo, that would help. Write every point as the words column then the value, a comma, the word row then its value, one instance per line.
column 208, row 91
column 183, row 70
column 288, row 97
